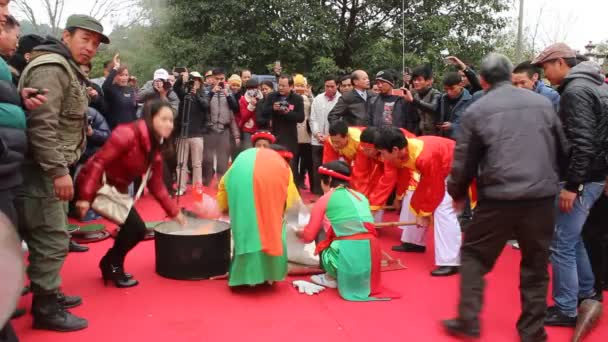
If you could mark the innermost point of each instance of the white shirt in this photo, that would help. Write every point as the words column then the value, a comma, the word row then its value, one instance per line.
column 362, row 93
column 320, row 108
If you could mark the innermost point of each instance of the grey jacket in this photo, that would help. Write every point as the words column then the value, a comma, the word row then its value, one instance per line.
column 512, row 142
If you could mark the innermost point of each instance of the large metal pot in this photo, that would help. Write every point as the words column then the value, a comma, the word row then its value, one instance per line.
column 199, row 250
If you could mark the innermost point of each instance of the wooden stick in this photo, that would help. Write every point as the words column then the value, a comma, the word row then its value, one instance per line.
column 391, row 224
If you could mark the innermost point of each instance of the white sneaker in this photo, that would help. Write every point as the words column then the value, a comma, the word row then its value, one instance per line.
column 323, row 280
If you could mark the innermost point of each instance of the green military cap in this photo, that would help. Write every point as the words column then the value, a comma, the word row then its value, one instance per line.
column 88, row 23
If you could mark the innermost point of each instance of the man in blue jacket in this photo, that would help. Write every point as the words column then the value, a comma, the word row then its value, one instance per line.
column 527, row 76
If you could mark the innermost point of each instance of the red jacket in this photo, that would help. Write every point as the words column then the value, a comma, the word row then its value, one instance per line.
column 245, row 115
column 123, row 158
column 376, row 178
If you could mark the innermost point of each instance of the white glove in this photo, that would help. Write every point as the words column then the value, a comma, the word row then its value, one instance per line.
column 306, row 287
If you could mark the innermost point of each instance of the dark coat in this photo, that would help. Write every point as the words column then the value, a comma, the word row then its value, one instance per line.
column 199, row 111
column 352, row 109
column 284, row 126
column 394, row 107
column 512, row 142
column 583, row 109
column 124, row 158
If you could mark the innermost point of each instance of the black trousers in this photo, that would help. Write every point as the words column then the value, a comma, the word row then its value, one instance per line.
column 495, row 222
column 303, row 159
column 130, row 234
column 595, row 236
column 317, row 160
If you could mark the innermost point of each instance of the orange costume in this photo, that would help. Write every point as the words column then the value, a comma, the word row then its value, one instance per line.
column 348, row 153
column 376, row 178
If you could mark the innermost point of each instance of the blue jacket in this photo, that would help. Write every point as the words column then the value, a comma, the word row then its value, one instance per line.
column 454, row 115
column 101, row 133
column 548, row 92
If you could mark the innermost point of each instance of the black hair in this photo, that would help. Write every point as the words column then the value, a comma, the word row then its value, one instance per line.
column 344, row 78
column 369, row 135
column 425, row 71
column 107, row 64
column 218, row 71
column 528, row 68
column 267, row 83
column 289, row 79
column 338, row 128
column 152, row 107
column 338, row 166
column 243, row 70
column 389, row 138
column 451, row 79
column 11, row 23
column 329, row 78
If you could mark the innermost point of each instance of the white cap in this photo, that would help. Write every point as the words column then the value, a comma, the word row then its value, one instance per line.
column 161, row 74
column 196, row 74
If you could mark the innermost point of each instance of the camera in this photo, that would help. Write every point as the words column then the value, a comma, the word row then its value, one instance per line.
column 189, row 85
column 221, row 85
column 284, row 105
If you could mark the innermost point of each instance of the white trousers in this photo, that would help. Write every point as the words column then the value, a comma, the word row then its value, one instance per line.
column 448, row 237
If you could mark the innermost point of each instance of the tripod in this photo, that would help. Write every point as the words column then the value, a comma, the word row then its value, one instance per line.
column 184, row 113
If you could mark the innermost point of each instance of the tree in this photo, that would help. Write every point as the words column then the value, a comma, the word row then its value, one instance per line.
column 52, row 8
column 353, row 33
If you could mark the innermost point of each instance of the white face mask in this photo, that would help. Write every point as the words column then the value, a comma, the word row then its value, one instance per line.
column 252, row 92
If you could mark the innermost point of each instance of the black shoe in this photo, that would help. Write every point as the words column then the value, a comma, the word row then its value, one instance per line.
column 458, row 327
column 409, row 248
column 68, row 302
column 444, row 271
column 115, row 274
column 50, row 315
column 78, row 248
column 555, row 318
column 18, row 313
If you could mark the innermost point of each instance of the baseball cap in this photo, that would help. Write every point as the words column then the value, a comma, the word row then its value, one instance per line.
column 552, row 52
column 196, row 74
column 161, row 74
column 88, row 23
column 386, row 76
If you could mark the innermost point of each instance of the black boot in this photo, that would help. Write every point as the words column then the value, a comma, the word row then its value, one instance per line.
column 50, row 315
column 78, row 248
column 68, row 302
column 409, row 248
column 114, row 272
column 462, row 328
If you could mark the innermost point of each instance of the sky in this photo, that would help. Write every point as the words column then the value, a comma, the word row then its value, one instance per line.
column 575, row 22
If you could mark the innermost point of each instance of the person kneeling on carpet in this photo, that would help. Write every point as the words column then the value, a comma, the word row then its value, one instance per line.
column 255, row 191
column 132, row 149
column 350, row 254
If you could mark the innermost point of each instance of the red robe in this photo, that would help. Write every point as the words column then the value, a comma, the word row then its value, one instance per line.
column 376, row 178
column 432, row 158
column 348, row 153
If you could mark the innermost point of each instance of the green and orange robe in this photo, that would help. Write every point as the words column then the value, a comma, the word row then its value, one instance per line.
column 351, row 253
column 256, row 191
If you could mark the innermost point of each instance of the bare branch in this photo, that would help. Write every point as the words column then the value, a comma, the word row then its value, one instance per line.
column 27, row 11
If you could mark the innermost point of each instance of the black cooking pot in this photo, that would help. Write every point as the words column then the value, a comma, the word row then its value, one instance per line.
column 199, row 250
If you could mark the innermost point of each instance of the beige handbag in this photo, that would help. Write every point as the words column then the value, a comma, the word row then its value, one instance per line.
column 113, row 204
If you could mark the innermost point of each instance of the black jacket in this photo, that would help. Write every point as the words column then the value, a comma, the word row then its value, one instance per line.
column 387, row 110
column 101, row 133
column 199, row 111
column 453, row 114
column 13, row 141
column 352, row 109
column 584, row 113
column 121, row 105
column 424, row 108
column 512, row 142
column 284, row 126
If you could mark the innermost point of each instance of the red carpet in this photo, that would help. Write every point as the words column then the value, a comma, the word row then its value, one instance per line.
column 161, row 309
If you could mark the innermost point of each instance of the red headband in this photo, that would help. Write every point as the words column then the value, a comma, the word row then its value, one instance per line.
column 263, row 135
column 285, row 154
column 368, row 145
column 332, row 173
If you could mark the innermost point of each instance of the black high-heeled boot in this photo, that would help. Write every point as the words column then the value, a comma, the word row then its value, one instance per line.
column 115, row 273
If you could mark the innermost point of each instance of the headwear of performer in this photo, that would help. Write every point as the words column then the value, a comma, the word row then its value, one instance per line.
column 334, row 174
column 262, row 139
column 282, row 151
